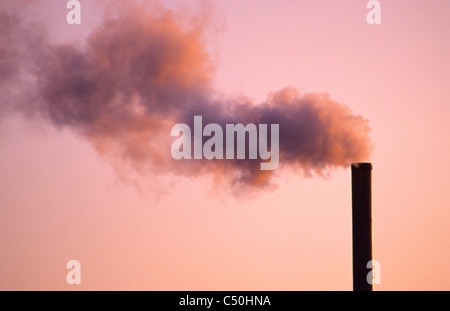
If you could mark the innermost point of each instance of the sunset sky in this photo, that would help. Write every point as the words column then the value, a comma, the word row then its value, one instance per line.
column 84, row 178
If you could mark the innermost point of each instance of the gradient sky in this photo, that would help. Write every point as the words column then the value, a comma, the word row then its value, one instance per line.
column 60, row 200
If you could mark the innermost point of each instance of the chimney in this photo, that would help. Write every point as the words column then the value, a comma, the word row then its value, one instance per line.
column 361, row 224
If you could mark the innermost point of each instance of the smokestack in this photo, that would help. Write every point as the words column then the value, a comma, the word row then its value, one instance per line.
column 362, row 224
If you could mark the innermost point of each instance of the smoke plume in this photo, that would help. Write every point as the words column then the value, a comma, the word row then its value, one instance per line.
column 141, row 72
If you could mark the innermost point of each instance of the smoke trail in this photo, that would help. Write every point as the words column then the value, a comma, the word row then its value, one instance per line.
column 140, row 73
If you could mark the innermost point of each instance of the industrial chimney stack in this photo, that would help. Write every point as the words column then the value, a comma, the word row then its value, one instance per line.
column 361, row 224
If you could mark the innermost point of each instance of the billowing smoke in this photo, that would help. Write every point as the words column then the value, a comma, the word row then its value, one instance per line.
column 140, row 73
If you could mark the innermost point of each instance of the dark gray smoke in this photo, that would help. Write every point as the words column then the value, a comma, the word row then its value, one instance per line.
column 142, row 72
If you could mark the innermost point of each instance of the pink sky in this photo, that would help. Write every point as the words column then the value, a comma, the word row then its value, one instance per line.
column 59, row 200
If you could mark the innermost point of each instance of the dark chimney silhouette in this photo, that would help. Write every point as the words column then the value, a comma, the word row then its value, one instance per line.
column 362, row 224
